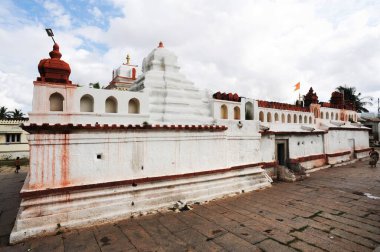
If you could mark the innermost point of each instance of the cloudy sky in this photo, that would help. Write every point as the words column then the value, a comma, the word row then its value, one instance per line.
column 259, row 49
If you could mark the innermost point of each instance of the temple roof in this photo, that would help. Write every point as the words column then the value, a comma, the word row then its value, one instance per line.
column 54, row 69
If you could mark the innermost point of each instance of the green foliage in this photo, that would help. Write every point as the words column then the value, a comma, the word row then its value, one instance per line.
column 4, row 113
column 17, row 114
column 350, row 96
column 95, row 85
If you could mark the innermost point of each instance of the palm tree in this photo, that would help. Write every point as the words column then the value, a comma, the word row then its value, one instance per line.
column 350, row 97
column 4, row 113
column 17, row 114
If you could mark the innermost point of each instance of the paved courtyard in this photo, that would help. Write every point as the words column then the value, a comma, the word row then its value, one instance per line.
column 327, row 212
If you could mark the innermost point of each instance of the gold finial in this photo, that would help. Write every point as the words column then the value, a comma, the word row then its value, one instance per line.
column 128, row 59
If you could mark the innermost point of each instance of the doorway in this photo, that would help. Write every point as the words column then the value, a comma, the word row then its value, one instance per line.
column 282, row 152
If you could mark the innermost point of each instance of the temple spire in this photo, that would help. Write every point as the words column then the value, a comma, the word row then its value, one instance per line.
column 128, row 59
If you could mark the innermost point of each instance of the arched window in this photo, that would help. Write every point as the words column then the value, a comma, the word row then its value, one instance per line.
column 87, row 103
column 223, row 112
column 276, row 117
column 332, row 116
column 56, row 102
column 236, row 113
column 283, row 118
column 249, row 111
column 111, row 105
column 269, row 117
column 295, row 118
column 289, row 118
column 305, row 119
column 336, row 117
column 133, row 106
column 316, row 112
column 300, row 119
column 261, row 116
column 327, row 115
column 310, row 120
column 321, row 115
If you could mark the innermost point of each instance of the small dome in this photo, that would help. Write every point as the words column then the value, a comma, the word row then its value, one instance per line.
column 54, row 69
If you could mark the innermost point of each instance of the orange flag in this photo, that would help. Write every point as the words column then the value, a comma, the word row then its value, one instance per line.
column 297, row 86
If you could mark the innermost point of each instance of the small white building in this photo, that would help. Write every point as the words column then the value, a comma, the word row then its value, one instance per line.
column 13, row 141
column 102, row 155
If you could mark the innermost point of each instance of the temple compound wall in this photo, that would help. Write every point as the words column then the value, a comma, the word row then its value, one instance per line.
column 99, row 155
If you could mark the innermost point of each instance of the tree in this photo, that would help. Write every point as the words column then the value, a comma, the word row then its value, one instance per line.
column 95, row 85
column 4, row 113
column 350, row 97
column 17, row 114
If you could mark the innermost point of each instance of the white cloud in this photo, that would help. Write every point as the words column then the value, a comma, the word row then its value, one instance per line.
column 58, row 14
column 259, row 49
column 96, row 12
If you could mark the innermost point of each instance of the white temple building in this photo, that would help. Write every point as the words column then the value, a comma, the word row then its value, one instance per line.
column 153, row 138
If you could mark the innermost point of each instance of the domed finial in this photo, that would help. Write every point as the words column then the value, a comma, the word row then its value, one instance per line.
column 161, row 45
column 55, row 54
column 128, row 59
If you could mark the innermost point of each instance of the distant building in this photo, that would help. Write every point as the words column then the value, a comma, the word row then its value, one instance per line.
column 13, row 142
column 124, row 76
column 373, row 123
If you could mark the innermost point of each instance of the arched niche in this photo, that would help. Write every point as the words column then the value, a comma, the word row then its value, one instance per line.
column 248, row 111
column 269, row 117
column 56, row 102
column 111, row 105
column 134, row 106
column 87, row 103
column 261, row 116
column 236, row 113
column 276, row 118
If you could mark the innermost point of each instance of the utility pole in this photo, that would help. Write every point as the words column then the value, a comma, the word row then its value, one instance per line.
column 378, row 107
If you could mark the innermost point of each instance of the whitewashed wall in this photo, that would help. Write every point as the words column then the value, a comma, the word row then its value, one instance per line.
column 71, row 106
column 280, row 112
column 306, row 145
column 131, row 155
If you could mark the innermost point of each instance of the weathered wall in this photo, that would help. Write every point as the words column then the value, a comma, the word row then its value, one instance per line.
column 305, row 145
column 71, row 159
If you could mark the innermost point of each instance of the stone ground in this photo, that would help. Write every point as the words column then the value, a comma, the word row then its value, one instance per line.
column 326, row 212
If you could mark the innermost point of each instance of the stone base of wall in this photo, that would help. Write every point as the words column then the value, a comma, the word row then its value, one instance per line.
column 336, row 158
column 44, row 213
column 362, row 153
